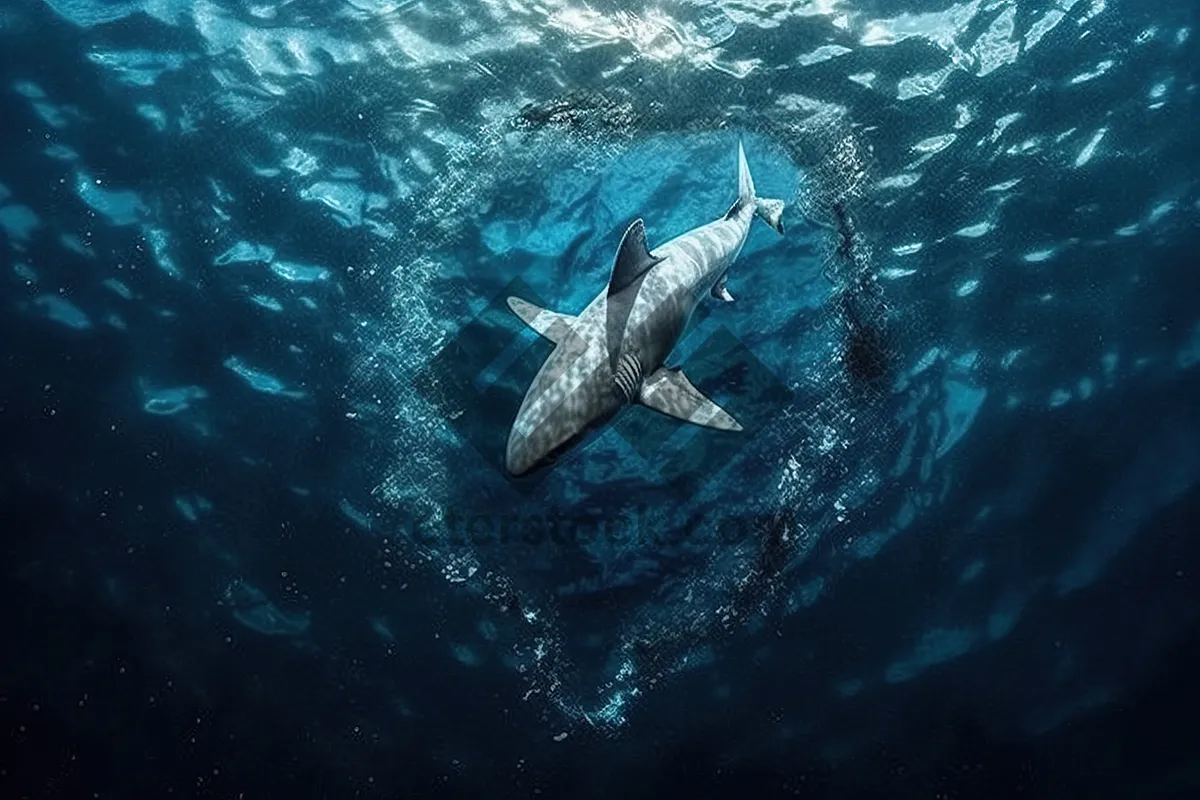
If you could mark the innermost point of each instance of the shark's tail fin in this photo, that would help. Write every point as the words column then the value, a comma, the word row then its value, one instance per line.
column 769, row 211
column 745, row 182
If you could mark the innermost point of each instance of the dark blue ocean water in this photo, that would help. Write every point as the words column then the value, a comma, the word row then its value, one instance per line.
column 257, row 375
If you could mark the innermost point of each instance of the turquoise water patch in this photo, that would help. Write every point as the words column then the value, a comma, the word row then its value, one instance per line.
column 972, row 571
column 18, row 221
column 382, row 629
column 465, row 655
column 266, row 302
column 118, row 287
column 544, row 240
column 63, row 311
column 1001, row 623
column 192, row 506
column 808, row 593
column 137, row 67
column 936, row 646
column 354, row 515
column 1189, row 354
column 169, row 400
column 25, row 273
column 962, row 405
column 61, row 152
column 299, row 273
column 86, row 14
column 51, row 115
column 869, row 545
column 73, row 243
column 345, row 200
column 259, row 380
column 160, row 244
column 154, row 115
column 252, row 609
column 245, row 253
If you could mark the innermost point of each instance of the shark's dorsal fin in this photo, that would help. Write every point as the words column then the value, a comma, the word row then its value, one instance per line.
column 633, row 258
column 550, row 324
column 670, row 392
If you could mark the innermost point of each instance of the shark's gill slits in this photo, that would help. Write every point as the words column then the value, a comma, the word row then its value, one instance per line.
column 628, row 377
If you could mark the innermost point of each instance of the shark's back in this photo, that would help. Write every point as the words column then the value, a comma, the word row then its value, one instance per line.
column 691, row 264
column 705, row 251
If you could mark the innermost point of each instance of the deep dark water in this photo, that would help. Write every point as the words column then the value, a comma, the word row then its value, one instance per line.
column 214, row 740
column 106, row 695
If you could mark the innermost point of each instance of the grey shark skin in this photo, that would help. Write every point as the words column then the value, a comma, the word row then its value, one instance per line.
column 612, row 353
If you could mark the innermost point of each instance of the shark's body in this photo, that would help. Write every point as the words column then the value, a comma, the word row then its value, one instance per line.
column 612, row 353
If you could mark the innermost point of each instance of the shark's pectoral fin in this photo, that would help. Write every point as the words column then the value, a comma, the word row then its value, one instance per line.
column 550, row 324
column 670, row 392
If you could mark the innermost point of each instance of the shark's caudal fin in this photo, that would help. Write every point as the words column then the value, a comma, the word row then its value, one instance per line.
column 769, row 211
column 745, row 182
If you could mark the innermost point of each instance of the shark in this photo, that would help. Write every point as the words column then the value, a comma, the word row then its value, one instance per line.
column 613, row 353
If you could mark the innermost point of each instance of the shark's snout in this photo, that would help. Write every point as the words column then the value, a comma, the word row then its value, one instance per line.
column 519, row 457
